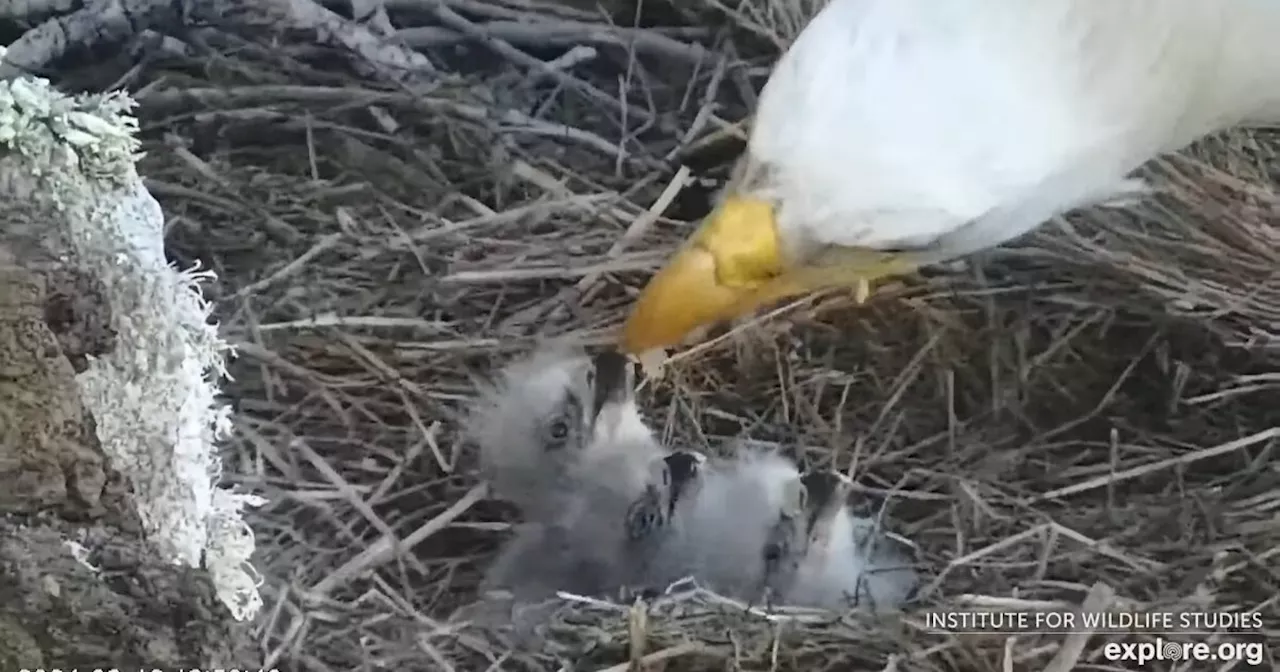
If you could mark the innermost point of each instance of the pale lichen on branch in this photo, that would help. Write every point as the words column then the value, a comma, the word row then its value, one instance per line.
column 71, row 187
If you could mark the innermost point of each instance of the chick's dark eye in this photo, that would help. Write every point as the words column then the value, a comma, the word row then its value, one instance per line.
column 558, row 430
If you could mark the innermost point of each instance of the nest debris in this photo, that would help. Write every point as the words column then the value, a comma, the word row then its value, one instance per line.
column 1095, row 404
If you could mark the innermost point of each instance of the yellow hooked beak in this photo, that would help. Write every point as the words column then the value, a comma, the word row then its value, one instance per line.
column 734, row 264
column 715, row 276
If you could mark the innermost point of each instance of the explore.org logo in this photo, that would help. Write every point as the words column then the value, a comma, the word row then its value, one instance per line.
column 1250, row 653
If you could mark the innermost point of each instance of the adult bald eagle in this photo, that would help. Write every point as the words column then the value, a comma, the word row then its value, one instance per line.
column 898, row 133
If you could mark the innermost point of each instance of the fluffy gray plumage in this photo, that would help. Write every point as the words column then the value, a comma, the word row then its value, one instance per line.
column 577, row 551
column 655, row 521
column 784, row 547
column 544, row 426
column 760, row 529
column 606, row 507
column 560, row 436
column 730, row 522
column 836, row 560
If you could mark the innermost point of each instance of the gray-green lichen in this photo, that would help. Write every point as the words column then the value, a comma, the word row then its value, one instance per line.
column 95, row 135
column 72, row 158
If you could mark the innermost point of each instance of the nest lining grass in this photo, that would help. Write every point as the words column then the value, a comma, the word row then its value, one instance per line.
column 1095, row 404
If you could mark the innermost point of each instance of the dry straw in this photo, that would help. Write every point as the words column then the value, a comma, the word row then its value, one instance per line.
column 1096, row 405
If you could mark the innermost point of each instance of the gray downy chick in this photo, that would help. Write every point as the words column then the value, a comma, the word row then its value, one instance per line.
column 784, row 547
column 557, row 417
column 577, row 492
column 731, row 521
column 623, row 447
column 654, row 530
column 839, row 561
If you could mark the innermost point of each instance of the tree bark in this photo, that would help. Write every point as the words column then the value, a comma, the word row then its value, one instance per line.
column 116, row 548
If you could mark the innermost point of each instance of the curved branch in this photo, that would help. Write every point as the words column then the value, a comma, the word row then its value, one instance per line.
column 108, row 22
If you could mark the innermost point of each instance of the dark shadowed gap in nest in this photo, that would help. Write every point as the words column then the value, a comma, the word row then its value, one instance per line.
column 642, row 13
column 11, row 31
column 710, row 165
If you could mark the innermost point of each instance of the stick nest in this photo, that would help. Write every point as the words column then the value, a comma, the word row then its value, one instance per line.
column 1094, row 405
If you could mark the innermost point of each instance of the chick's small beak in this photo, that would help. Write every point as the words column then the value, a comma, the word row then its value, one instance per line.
column 614, row 380
column 714, row 277
column 613, row 387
